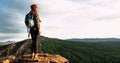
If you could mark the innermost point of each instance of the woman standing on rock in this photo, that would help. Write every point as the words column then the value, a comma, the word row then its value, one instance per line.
column 32, row 21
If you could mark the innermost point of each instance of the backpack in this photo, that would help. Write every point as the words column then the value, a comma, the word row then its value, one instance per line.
column 29, row 21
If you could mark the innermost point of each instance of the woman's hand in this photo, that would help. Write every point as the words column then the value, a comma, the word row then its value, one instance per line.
column 39, row 33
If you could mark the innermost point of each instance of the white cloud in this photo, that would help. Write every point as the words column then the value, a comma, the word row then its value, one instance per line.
column 80, row 19
column 13, row 37
column 70, row 18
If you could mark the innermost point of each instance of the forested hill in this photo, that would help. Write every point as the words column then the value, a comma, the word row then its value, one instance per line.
column 75, row 52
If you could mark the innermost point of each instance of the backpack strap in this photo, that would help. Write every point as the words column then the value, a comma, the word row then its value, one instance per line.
column 28, row 31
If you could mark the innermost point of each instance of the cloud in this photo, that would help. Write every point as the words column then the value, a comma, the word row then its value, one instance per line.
column 63, row 18
column 12, row 14
column 9, row 22
column 108, row 17
column 12, row 37
column 75, row 18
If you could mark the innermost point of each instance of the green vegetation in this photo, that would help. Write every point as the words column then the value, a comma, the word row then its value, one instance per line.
column 75, row 52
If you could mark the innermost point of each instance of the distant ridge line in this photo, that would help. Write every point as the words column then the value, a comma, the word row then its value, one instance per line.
column 95, row 39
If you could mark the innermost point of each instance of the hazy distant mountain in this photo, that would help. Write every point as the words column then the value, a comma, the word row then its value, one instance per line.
column 95, row 39
column 5, row 43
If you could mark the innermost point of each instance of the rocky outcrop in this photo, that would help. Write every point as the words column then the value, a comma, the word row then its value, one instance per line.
column 43, row 58
column 8, row 59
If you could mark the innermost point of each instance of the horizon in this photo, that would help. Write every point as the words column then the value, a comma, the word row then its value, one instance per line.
column 62, row 19
column 60, row 39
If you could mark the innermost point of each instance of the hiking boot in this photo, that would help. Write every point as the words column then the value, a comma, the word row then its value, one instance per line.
column 33, row 55
column 36, row 55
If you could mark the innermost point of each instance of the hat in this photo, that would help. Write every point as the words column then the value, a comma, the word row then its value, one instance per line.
column 33, row 6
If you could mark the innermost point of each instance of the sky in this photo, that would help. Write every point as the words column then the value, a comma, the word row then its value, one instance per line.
column 61, row 19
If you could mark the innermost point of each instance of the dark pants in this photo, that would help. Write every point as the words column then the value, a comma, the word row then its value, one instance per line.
column 34, row 45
